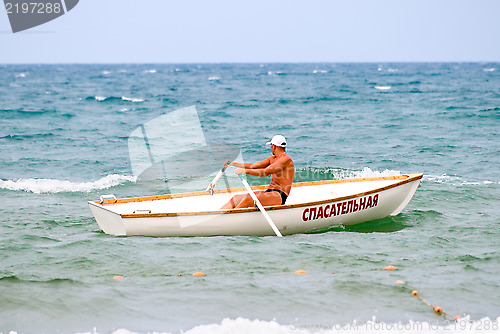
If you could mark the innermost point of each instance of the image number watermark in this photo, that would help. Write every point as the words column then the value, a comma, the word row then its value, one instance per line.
column 26, row 14
column 484, row 324
column 33, row 8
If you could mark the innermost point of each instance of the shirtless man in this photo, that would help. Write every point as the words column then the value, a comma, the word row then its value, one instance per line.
column 279, row 165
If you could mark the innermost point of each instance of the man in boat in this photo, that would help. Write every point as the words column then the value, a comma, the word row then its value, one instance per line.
column 279, row 165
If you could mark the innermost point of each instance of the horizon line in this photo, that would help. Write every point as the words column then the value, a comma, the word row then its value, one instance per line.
column 259, row 62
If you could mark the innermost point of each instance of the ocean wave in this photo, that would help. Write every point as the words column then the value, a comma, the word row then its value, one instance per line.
column 113, row 98
column 491, row 109
column 383, row 88
column 457, row 180
column 368, row 172
column 275, row 73
column 472, row 112
column 27, row 112
column 16, row 279
column 332, row 173
column 32, row 136
column 39, row 186
column 244, row 325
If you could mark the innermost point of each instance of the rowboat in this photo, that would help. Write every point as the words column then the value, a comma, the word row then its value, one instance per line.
column 311, row 207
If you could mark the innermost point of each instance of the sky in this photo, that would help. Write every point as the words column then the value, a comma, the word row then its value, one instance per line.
column 229, row 31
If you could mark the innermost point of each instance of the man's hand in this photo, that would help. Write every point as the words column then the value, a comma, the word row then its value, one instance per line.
column 239, row 171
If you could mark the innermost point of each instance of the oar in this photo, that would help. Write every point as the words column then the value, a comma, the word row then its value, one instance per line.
column 261, row 208
column 211, row 186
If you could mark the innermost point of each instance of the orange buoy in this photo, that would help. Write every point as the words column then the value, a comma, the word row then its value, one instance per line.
column 198, row 274
column 400, row 282
column 300, row 271
column 458, row 317
column 390, row 268
column 414, row 292
column 117, row 277
column 438, row 309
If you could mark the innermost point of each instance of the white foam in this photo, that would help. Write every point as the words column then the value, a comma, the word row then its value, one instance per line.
column 131, row 99
column 150, row 71
column 368, row 172
column 383, row 87
column 491, row 69
column 441, row 178
column 124, row 98
column 214, row 78
column 246, row 326
column 340, row 174
column 39, row 186
column 456, row 180
column 243, row 326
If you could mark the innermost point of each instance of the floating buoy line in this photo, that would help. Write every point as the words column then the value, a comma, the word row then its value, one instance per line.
column 437, row 309
column 412, row 291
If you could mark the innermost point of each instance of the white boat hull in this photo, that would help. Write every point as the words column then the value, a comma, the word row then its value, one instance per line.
column 311, row 206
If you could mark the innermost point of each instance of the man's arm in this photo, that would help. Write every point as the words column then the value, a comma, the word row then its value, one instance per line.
column 247, row 165
column 270, row 169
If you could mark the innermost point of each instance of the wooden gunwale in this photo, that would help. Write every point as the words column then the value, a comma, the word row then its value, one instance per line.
column 405, row 179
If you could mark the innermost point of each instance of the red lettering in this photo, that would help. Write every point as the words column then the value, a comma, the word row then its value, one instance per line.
column 327, row 214
column 344, row 208
column 304, row 217
column 349, row 206
column 369, row 202
column 320, row 213
column 362, row 203
column 313, row 213
column 375, row 200
column 339, row 208
column 356, row 206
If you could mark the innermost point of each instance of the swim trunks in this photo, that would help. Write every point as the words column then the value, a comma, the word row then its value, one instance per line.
column 283, row 195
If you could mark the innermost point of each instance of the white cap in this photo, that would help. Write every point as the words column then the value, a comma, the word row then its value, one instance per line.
column 277, row 140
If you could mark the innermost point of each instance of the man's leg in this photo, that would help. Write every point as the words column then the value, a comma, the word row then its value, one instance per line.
column 233, row 202
column 265, row 198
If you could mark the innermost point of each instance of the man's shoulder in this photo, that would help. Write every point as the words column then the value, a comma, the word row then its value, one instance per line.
column 286, row 160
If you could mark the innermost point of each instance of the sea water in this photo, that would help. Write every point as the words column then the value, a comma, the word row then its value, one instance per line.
column 64, row 134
